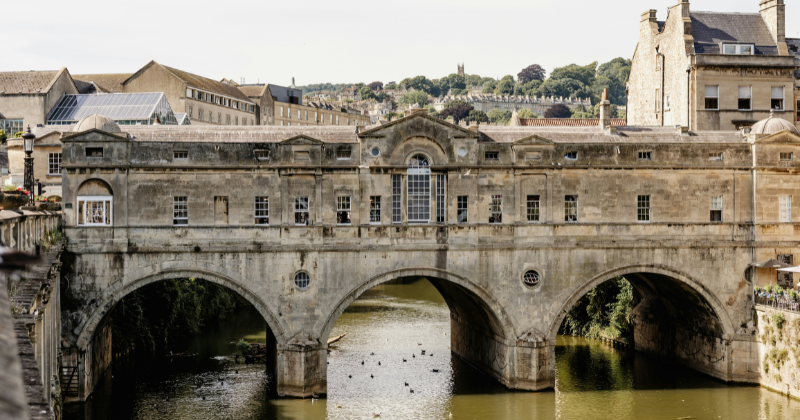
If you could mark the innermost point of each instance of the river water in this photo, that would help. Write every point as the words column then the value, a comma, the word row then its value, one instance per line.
column 393, row 322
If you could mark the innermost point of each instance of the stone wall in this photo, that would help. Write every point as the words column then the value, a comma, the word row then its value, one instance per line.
column 779, row 350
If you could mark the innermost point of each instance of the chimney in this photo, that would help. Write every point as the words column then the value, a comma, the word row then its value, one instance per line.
column 605, row 110
column 774, row 14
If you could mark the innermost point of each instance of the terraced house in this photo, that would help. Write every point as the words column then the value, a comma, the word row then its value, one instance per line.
column 714, row 70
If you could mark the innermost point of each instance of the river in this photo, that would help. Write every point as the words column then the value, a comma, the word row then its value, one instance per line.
column 393, row 322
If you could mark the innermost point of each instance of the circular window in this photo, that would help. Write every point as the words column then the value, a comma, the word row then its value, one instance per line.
column 531, row 278
column 462, row 152
column 301, row 280
column 375, row 151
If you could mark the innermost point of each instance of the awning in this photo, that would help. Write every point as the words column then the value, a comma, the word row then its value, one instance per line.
column 770, row 263
column 790, row 270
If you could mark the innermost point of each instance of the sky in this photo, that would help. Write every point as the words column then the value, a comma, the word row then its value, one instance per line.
column 342, row 41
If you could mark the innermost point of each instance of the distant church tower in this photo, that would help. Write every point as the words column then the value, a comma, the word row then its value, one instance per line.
column 461, row 69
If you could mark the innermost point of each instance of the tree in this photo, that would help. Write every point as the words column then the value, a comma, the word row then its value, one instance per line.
column 531, row 88
column 376, row 86
column 505, row 87
column 459, row 110
column 473, row 80
column 489, row 84
column 459, row 92
column 390, row 116
column 532, row 72
column 477, row 116
column 366, row 93
column 456, row 103
column 527, row 113
column 488, row 89
column 558, row 111
column 390, row 85
column 453, row 81
column 417, row 97
column 582, row 112
column 421, row 83
column 381, row 96
column 498, row 116
column 3, row 137
column 583, row 74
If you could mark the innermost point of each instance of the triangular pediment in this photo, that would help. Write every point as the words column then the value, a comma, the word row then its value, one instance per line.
column 534, row 140
column 784, row 137
column 411, row 124
column 301, row 140
column 95, row 134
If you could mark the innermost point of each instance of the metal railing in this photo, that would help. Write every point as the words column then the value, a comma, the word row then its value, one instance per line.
column 775, row 302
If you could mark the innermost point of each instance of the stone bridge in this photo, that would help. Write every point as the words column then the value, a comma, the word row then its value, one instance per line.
column 513, row 225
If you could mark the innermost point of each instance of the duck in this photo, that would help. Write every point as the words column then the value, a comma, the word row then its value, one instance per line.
column 404, row 360
column 379, row 363
column 371, row 376
column 406, row 383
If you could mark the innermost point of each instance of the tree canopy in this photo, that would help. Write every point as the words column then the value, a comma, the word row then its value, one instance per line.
column 421, row 83
column 375, row 85
column 390, row 85
column 458, row 112
column 558, row 111
column 532, row 72
column 498, row 116
column 417, row 97
column 366, row 93
column 477, row 116
column 527, row 113
column 453, row 81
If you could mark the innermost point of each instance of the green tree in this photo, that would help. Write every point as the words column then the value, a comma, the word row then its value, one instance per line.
column 505, row 87
column 366, row 93
column 453, row 81
column 583, row 112
column 392, row 115
column 477, row 116
column 614, row 75
column 459, row 110
column 473, row 80
column 390, row 85
column 376, row 86
column 3, row 137
column 459, row 92
column 605, row 311
column 583, row 74
column 417, row 97
column 558, row 111
column 497, row 116
column 456, row 103
column 527, row 113
column 421, row 83
column 489, row 84
column 381, row 96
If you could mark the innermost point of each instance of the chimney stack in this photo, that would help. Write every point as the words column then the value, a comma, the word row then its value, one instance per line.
column 774, row 14
column 605, row 110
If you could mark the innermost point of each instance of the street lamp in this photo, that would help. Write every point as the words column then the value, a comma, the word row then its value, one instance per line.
column 27, row 145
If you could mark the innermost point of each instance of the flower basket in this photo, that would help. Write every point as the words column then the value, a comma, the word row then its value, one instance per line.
column 13, row 200
column 48, row 206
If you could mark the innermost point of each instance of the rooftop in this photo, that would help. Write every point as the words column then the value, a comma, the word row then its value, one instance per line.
column 710, row 29
column 105, row 82
column 125, row 108
column 568, row 122
column 27, row 81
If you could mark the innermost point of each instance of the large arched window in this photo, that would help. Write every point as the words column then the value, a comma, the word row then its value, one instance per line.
column 419, row 189
column 95, row 206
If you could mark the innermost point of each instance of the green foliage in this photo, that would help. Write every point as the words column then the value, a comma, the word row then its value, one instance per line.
column 489, row 84
column 558, row 111
column 778, row 290
column 152, row 317
column 505, row 87
column 473, row 80
column 18, row 134
column 366, row 93
column 477, row 116
column 497, row 116
column 375, row 85
column 338, row 87
column 778, row 357
column 583, row 74
column 583, row 112
column 51, row 237
column 381, row 96
column 530, row 89
column 390, row 85
column 532, row 72
column 452, row 81
column 459, row 111
column 417, row 97
column 488, row 89
column 242, row 345
column 768, row 288
column 606, row 311
column 778, row 320
column 3, row 137
column 459, row 92
column 421, row 83
column 527, row 113
column 456, row 103
column 392, row 115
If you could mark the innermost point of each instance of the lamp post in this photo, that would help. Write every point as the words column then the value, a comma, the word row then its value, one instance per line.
column 27, row 144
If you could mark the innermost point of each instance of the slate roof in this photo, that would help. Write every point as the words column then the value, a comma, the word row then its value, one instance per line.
column 665, row 135
column 240, row 134
column 27, row 81
column 105, row 82
column 252, row 91
column 794, row 49
column 568, row 122
column 710, row 29
column 207, row 84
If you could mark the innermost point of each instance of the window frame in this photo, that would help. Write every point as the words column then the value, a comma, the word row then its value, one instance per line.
column 342, row 152
column 491, row 155
column 785, row 156
column 716, row 206
column 53, row 164
column 441, row 198
column 643, row 209
column 180, row 205
column 261, row 204
column 570, row 209
column 299, row 210
column 714, row 98
column 533, row 208
column 180, row 155
column 738, row 48
column 93, row 150
column 496, row 209
column 462, row 207
column 748, row 98
column 344, row 210
column 646, row 155
column 107, row 207
column 375, row 210
column 782, row 98
column 785, row 208
column 397, row 198
column 568, row 156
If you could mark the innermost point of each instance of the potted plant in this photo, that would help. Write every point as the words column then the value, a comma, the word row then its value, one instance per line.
column 14, row 198
column 778, row 291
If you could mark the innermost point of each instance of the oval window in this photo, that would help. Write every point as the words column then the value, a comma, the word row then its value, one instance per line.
column 462, row 152
column 302, row 280
column 531, row 278
column 375, row 152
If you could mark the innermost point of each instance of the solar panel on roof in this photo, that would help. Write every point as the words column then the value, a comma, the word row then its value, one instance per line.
column 125, row 108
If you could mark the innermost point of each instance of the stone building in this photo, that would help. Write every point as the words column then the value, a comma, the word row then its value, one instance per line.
column 26, row 97
column 279, row 105
column 713, row 70
column 488, row 102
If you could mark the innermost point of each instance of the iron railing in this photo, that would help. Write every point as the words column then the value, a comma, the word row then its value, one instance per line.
column 781, row 303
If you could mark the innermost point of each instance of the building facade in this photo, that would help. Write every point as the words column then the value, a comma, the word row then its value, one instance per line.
column 284, row 106
column 713, row 70
column 486, row 102
column 26, row 97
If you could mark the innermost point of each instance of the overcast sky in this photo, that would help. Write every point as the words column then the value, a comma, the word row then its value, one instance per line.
column 337, row 41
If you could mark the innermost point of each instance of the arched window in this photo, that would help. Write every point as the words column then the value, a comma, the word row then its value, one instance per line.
column 419, row 189
column 95, row 205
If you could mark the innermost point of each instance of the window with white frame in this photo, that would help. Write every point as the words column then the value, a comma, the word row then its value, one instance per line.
column 533, row 208
column 301, row 211
column 712, row 97
column 180, row 210
column 658, row 99
column 643, row 208
column 571, row 208
column 419, row 190
column 745, row 98
column 95, row 210
column 54, row 164
column 715, row 157
column 496, row 209
column 397, row 204
column 262, row 210
column 786, row 156
column 737, row 49
column 281, row 111
column 343, row 210
column 646, row 155
column 777, row 98
column 441, row 192
column 462, row 211
column 343, row 154
column 180, row 154
column 716, row 208
column 188, row 93
column 785, row 203
column 571, row 156
column 375, row 209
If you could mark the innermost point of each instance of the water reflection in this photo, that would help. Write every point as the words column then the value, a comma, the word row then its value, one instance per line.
column 393, row 322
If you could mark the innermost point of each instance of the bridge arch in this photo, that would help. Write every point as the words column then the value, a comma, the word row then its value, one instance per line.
column 634, row 274
column 112, row 298
column 447, row 283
